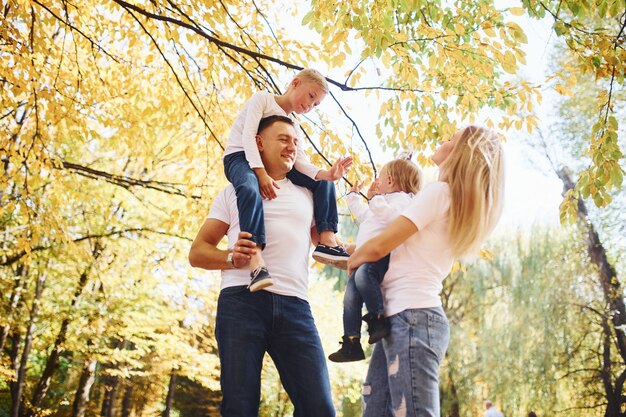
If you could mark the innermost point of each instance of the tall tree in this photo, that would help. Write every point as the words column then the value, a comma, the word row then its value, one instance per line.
column 595, row 38
column 529, row 330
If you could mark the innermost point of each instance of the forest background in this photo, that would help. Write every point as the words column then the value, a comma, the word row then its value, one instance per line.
column 113, row 119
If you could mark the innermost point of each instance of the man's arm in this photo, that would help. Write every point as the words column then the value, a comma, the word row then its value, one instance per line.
column 205, row 254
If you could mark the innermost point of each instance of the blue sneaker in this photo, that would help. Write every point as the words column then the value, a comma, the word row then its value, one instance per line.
column 260, row 278
column 331, row 255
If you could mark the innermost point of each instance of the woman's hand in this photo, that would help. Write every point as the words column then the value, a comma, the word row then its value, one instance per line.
column 383, row 243
column 354, row 261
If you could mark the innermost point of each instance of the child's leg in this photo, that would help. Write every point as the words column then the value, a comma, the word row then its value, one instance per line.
column 324, row 204
column 326, row 219
column 367, row 279
column 250, row 207
column 249, row 202
column 351, row 349
column 352, row 307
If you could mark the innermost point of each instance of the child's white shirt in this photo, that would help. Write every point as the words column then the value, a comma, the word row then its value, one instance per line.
column 243, row 133
column 378, row 214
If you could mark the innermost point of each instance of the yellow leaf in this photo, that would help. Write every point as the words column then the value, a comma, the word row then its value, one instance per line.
column 563, row 90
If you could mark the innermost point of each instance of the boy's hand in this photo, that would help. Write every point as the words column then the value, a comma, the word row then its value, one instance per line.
column 266, row 184
column 339, row 168
column 373, row 190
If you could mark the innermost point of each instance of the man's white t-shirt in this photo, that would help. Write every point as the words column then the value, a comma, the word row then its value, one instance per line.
column 288, row 222
column 418, row 267
column 243, row 133
column 378, row 214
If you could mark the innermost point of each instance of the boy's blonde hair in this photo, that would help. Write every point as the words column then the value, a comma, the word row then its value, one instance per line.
column 406, row 175
column 475, row 172
column 313, row 75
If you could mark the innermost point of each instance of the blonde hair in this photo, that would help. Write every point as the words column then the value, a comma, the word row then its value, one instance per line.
column 313, row 75
column 474, row 170
column 406, row 175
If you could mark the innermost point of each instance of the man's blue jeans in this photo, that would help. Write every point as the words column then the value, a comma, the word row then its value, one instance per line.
column 363, row 287
column 251, row 323
column 250, row 204
column 403, row 376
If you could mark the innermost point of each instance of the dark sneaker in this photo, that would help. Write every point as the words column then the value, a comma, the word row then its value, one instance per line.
column 259, row 279
column 351, row 351
column 331, row 255
column 378, row 327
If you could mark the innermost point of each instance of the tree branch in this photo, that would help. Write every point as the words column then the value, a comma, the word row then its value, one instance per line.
column 19, row 255
column 124, row 181
column 74, row 28
column 245, row 51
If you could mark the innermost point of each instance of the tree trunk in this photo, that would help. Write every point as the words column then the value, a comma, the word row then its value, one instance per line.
column 110, row 396
column 17, row 387
column 613, row 296
column 127, row 402
column 52, row 364
column 20, row 273
column 16, row 339
column 455, row 410
column 87, row 377
column 111, row 386
column 169, row 400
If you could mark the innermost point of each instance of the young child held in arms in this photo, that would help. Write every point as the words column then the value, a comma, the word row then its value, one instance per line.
column 399, row 180
column 244, row 169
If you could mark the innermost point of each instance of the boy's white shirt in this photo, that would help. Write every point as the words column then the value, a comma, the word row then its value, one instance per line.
column 288, row 222
column 378, row 214
column 243, row 133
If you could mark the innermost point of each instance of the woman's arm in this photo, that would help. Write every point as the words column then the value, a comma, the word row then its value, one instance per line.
column 382, row 244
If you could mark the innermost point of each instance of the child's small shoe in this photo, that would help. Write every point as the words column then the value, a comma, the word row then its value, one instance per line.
column 260, row 278
column 351, row 350
column 331, row 255
column 378, row 327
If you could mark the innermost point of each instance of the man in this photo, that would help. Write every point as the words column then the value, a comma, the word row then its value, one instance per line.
column 277, row 319
column 491, row 411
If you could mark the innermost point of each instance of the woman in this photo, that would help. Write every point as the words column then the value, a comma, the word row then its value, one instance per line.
column 446, row 220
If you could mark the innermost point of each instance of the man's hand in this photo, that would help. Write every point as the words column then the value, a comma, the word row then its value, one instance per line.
column 266, row 184
column 243, row 250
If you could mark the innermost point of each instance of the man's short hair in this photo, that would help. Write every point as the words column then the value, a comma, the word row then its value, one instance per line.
column 270, row 120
